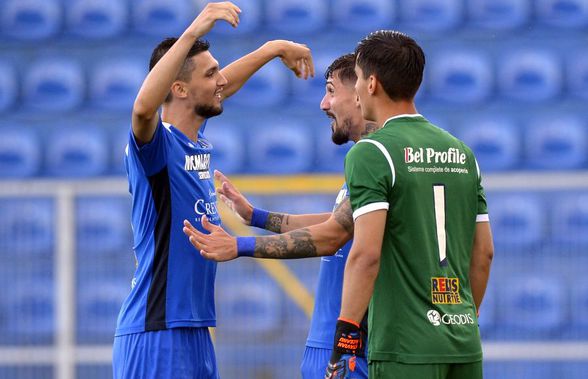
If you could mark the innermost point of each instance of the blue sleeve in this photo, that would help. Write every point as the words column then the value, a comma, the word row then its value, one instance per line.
column 152, row 155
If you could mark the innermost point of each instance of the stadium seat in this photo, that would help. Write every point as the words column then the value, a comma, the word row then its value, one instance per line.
column 310, row 92
column 330, row 157
column 99, row 303
column 8, row 86
column 161, row 17
column 297, row 16
column 569, row 221
column 460, row 77
column 54, row 85
column 431, row 15
column 284, row 148
column 532, row 304
column 487, row 318
column 557, row 143
column 77, row 152
column 102, row 225
column 119, row 141
column 228, row 151
column 114, row 84
column 30, row 19
column 495, row 141
column 363, row 15
column 250, row 18
column 530, row 76
column 19, row 152
column 518, row 220
column 563, row 13
column 97, row 18
column 499, row 14
column 268, row 87
column 27, row 227
column 577, row 74
column 572, row 370
column 579, row 304
column 504, row 369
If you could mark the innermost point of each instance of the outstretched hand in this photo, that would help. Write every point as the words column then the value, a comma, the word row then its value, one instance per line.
column 297, row 57
column 212, row 13
column 217, row 246
column 233, row 199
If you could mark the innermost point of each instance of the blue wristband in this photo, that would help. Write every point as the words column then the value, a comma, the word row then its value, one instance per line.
column 245, row 246
column 259, row 218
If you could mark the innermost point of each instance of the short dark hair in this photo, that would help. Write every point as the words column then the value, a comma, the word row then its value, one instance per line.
column 344, row 66
column 395, row 59
column 186, row 71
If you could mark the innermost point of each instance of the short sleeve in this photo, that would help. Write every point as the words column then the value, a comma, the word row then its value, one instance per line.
column 152, row 155
column 482, row 206
column 369, row 173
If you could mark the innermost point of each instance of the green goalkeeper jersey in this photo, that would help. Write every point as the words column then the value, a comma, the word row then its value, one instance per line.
column 422, row 309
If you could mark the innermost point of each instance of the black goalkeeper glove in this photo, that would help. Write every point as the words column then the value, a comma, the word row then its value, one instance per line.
column 348, row 343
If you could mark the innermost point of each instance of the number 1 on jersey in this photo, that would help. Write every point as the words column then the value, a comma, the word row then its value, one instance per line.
column 439, row 202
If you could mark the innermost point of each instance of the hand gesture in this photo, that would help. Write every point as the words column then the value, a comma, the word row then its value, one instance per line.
column 297, row 57
column 217, row 246
column 212, row 13
column 233, row 199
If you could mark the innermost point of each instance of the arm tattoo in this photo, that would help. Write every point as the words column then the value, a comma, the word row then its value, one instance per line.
column 274, row 222
column 295, row 244
column 370, row 127
column 344, row 215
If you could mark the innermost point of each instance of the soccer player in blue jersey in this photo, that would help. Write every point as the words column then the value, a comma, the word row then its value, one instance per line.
column 309, row 235
column 162, row 329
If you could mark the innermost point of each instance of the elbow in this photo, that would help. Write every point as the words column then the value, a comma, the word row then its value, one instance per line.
column 367, row 260
column 335, row 242
column 142, row 111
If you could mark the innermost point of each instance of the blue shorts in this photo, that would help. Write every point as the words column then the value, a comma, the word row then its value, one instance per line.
column 179, row 353
column 315, row 360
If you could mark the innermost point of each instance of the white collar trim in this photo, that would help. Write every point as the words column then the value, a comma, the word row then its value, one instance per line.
column 401, row 116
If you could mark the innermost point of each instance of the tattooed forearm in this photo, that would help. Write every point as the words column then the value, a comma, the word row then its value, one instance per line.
column 274, row 222
column 344, row 215
column 370, row 127
column 296, row 244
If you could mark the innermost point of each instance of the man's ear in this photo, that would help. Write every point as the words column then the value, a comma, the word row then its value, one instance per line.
column 179, row 89
column 372, row 85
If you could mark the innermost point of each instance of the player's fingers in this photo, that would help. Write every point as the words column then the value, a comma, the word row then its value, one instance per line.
column 207, row 255
column 194, row 242
column 189, row 226
column 207, row 225
column 310, row 63
column 229, row 203
column 303, row 69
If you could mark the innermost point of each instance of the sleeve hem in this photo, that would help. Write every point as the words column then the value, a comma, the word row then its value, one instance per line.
column 369, row 208
column 482, row 218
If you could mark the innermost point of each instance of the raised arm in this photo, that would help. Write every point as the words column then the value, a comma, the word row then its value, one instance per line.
column 316, row 240
column 158, row 82
column 295, row 56
column 482, row 254
column 272, row 221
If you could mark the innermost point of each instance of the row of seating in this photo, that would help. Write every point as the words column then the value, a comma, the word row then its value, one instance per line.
column 42, row 19
column 459, row 76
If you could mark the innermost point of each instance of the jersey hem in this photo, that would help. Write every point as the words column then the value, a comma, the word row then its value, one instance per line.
column 370, row 208
column 170, row 325
column 423, row 359
column 483, row 218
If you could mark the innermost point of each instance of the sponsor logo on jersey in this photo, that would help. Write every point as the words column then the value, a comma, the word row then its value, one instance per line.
column 200, row 163
column 208, row 208
column 430, row 155
column 445, row 291
column 438, row 319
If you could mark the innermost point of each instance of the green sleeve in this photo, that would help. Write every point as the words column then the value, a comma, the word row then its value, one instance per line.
column 482, row 206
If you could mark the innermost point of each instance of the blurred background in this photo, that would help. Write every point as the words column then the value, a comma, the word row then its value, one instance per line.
column 509, row 77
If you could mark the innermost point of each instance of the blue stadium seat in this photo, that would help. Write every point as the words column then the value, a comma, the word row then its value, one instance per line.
column 228, row 151
column 8, row 86
column 310, row 92
column 119, row 141
column 161, row 17
column 558, row 143
column 30, row 19
column 496, row 142
column 563, row 13
column 499, row 14
column 460, row 77
column 501, row 369
column 569, row 221
column 518, row 220
column 19, row 152
column 572, row 370
column 249, row 20
column 577, row 74
column 27, row 227
column 297, row 16
column 102, row 225
column 77, row 152
column 363, row 15
column 487, row 318
column 114, row 84
column 99, row 303
column 97, row 18
column 530, row 76
column 431, row 15
column 330, row 157
column 579, row 304
column 54, row 85
column 265, row 88
column 532, row 304
column 283, row 148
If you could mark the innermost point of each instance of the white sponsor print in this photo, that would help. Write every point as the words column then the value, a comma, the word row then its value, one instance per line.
column 437, row 319
column 430, row 155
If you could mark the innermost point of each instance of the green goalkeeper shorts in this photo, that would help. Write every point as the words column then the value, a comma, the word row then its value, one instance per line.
column 395, row 370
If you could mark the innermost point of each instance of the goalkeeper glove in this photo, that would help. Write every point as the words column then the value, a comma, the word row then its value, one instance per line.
column 348, row 343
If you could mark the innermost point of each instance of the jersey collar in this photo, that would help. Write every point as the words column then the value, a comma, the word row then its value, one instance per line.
column 413, row 115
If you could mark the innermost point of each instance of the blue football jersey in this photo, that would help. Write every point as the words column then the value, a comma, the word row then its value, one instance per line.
column 170, row 181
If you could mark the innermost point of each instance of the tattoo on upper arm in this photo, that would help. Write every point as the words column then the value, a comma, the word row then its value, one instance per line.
column 344, row 215
column 296, row 244
column 274, row 222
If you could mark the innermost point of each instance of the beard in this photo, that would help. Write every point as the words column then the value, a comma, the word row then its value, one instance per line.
column 208, row 111
column 340, row 135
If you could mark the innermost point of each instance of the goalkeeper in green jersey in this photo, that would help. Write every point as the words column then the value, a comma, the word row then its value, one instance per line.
column 422, row 245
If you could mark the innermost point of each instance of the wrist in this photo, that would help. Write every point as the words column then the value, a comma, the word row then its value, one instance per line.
column 259, row 218
column 245, row 246
column 276, row 48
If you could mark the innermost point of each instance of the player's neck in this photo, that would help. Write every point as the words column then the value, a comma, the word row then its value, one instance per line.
column 388, row 109
column 185, row 121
